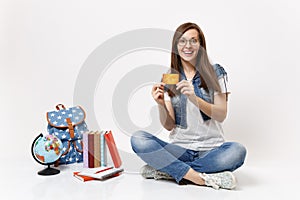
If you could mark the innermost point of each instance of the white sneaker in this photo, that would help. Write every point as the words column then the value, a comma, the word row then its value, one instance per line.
column 225, row 180
column 149, row 172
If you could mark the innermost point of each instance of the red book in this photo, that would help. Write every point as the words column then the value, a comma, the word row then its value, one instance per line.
column 113, row 149
column 82, row 178
column 91, row 149
column 102, row 174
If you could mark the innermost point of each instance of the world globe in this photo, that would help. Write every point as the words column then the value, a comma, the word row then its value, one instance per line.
column 46, row 150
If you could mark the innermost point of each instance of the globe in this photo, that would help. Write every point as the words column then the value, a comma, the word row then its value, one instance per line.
column 46, row 150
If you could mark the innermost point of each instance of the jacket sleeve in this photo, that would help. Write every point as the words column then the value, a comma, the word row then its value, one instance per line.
column 220, row 71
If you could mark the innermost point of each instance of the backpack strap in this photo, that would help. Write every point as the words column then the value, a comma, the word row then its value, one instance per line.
column 75, row 146
column 71, row 128
column 71, row 131
column 68, row 149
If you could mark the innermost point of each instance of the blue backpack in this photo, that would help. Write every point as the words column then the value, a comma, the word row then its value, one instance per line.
column 68, row 125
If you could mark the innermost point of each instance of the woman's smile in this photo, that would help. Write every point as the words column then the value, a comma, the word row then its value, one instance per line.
column 188, row 53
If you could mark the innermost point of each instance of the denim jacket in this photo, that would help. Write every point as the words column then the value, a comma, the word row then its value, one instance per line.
column 179, row 101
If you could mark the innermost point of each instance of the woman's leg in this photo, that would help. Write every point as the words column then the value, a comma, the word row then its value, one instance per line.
column 171, row 159
column 228, row 157
column 161, row 155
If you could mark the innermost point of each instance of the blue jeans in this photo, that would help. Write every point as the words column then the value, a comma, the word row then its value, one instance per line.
column 176, row 160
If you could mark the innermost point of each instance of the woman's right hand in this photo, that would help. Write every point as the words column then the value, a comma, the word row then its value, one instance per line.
column 158, row 93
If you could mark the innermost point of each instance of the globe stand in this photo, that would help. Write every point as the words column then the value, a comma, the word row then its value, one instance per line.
column 48, row 171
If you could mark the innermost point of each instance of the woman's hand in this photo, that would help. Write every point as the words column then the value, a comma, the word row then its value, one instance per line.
column 186, row 88
column 158, row 93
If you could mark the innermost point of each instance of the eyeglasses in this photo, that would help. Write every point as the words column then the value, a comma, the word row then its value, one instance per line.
column 183, row 42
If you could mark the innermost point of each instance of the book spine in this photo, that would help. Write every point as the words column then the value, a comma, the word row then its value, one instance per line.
column 85, row 150
column 97, row 149
column 113, row 149
column 91, row 149
column 103, row 151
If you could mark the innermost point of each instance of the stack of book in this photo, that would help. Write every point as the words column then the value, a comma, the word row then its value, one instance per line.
column 92, row 172
column 94, row 149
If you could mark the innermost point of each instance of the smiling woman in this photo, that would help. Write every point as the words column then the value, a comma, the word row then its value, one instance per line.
column 188, row 48
column 189, row 52
column 192, row 110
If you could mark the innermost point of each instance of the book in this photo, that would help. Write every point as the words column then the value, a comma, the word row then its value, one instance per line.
column 85, row 149
column 97, row 149
column 104, row 174
column 94, row 149
column 99, row 173
column 81, row 177
column 89, row 171
column 113, row 149
column 103, row 151
column 91, row 149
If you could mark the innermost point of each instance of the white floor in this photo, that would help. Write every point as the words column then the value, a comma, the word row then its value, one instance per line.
column 19, row 180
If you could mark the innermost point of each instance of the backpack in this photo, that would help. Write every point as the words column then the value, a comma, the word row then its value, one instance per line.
column 68, row 125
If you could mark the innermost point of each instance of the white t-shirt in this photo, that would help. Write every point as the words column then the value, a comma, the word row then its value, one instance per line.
column 199, row 135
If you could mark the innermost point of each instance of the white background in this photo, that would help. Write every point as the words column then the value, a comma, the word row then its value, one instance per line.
column 43, row 45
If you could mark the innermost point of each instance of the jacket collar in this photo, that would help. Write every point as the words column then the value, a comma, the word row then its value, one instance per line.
column 182, row 74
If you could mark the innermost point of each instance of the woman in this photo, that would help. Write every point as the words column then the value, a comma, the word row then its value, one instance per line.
column 192, row 110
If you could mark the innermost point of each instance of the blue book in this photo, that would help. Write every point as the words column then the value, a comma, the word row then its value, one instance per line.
column 103, row 155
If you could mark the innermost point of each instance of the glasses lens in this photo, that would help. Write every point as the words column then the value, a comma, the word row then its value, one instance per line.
column 193, row 42
column 183, row 42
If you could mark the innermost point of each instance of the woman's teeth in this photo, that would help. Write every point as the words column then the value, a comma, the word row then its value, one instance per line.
column 188, row 52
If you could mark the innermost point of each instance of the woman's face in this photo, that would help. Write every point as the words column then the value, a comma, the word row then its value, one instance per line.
column 188, row 46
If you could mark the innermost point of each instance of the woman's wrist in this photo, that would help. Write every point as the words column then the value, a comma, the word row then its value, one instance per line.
column 194, row 99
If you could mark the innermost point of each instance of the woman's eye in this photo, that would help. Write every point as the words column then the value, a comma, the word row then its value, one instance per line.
column 194, row 41
column 181, row 41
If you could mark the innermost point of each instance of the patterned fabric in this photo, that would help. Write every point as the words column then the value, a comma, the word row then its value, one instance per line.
column 149, row 172
column 58, row 118
column 58, row 126
column 225, row 180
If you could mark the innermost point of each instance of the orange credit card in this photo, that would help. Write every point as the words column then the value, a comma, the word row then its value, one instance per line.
column 170, row 78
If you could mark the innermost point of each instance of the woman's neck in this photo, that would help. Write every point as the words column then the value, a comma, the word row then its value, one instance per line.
column 189, row 69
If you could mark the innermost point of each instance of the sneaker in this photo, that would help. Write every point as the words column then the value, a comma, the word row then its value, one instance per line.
column 225, row 180
column 150, row 172
column 147, row 171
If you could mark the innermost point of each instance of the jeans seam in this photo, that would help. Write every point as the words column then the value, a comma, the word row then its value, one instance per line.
column 182, row 173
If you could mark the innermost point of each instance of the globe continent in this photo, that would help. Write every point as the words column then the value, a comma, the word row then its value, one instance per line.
column 48, row 149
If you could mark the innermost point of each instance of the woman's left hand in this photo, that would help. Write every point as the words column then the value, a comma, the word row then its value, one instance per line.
column 186, row 88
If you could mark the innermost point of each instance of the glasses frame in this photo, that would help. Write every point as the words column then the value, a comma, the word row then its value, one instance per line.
column 188, row 41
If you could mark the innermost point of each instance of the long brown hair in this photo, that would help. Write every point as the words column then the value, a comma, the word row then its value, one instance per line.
column 208, row 76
